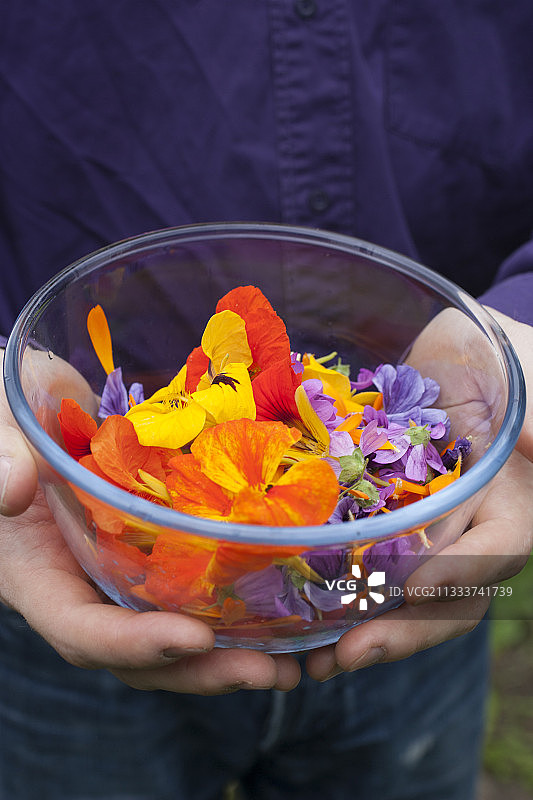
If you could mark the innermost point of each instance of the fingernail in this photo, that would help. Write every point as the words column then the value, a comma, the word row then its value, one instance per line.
column 368, row 658
column 5, row 469
column 335, row 671
column 234, row 687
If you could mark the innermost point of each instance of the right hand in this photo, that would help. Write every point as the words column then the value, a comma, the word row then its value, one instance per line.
column 40, row 579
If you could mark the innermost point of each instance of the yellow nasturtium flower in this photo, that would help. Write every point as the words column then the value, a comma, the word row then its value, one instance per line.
column 335, row 384
column 172, row 418
column 224, row 341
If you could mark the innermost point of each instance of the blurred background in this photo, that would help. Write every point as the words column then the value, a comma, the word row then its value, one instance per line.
column 508, row 754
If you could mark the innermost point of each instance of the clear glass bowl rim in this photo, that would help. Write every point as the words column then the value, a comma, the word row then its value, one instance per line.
column 380, row 526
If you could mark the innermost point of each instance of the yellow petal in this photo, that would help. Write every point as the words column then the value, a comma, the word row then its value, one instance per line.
column 338, row 384
column 165, row 425
column 155, row 487
column 365, row 398
column 230, row 396
column 311, row 419
column 101, row 337
column 225, row 341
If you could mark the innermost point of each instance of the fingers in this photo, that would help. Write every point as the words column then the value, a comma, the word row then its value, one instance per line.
column 495, row 548
column 397, row 635
column 521, row 337
column 159, row 650
column 219, row 672
column 149, row 650
column 18, row 472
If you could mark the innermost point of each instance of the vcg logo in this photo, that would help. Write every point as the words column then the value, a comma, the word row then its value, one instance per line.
column 357, row 586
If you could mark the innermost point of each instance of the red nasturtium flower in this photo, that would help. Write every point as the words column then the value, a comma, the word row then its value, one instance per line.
column 274, row 389
column 263, row 336
column 266, row 331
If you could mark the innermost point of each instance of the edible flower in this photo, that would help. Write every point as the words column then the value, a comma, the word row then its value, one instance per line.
column 234, row 472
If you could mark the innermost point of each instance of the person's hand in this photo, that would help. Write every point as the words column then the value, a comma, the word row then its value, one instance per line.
column 496, row 545
column 40, row 578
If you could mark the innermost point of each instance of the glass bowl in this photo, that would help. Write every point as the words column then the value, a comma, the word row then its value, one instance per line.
column 334, row 293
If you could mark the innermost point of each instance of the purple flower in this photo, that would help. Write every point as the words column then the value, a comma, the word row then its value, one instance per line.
column 322, row 404
column 260, row 590
column 290, row 601
column 397, row 558
column 324, row 599
column 462, row 447
column 365, row 378
column 115, row 396
column 407, row 396
column 296, row 364
column 400, row 442
column 370, row 413
column 326, row 563
column 373, row 437
column 413, row 451
column 344, row 508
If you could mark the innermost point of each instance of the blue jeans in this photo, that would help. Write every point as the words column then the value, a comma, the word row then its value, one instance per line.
column 405, row 731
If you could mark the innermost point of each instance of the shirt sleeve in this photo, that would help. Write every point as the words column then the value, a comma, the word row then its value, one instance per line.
column 512, row 290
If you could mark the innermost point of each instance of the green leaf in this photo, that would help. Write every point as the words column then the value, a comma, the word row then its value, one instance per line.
column 352, row 467
column 369, row 489
column 419, row 434
column 344, row 369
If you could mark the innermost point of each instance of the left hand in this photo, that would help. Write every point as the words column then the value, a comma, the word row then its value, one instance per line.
column 497, row 545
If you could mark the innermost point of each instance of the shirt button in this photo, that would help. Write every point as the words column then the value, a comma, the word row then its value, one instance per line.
column 305, row 8
column 319, row 201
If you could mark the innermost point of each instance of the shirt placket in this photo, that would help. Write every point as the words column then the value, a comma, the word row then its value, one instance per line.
column 314, row 115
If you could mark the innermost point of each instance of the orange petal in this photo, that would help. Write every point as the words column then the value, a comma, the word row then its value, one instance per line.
column 119, row 455
column 404, row 486
column 77, row 428
column 441, row 481
column 101, row 337
column 175, row 570
column 230, row 561
column 195, row 493
column 105, row 517
column 306, row 494
column 233, row 609
column 243, row 453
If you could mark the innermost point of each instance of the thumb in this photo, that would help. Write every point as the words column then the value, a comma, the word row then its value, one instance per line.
column 18, row 472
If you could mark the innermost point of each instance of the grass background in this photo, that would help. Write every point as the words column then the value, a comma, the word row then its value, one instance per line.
column 508, row 753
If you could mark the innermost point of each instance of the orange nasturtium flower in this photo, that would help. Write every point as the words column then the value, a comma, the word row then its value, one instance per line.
column 234, row 473
column 117, row 457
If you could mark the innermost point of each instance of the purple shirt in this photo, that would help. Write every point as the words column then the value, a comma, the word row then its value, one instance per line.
column 406, row 124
